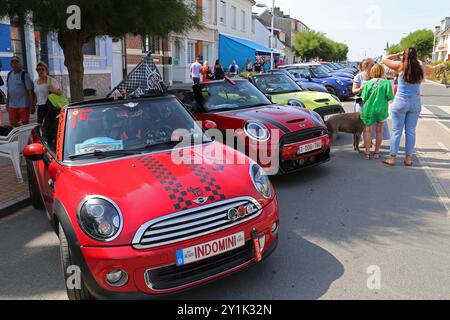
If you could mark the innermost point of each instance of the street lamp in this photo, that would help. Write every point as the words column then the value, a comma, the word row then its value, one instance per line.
column 272, row 35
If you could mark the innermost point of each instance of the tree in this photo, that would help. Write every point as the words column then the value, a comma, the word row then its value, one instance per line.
column 100, row 17
column 311, row 45
column 422, row 40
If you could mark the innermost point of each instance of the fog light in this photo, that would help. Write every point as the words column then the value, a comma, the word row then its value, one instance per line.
column 117, row 278
column 274, row 229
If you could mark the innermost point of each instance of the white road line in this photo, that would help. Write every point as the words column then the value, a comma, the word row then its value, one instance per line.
column 433, row 117
column 435, row 183
column 444, row 148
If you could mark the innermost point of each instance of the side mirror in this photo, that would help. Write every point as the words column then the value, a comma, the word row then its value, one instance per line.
column 209, row 125
column 35, row 152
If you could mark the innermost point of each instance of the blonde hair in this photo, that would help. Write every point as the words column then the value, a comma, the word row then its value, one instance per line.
column 377, row 71
column 365, row 63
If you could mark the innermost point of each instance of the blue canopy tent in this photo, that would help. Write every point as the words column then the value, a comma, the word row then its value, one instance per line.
column 239, row 49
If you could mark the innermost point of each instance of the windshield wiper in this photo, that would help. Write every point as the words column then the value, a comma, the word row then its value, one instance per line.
column 105, row 154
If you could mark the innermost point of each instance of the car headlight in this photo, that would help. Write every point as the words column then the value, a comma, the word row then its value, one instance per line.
column 100, row 218
column 318, row 117
column 257, row 131
column 261, row 180
column 339, row 82
column 296, row 103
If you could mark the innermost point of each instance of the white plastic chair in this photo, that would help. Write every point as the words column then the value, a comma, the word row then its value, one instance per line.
column 11, row 147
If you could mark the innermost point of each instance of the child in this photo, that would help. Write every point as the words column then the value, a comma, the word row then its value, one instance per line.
column 376, row 96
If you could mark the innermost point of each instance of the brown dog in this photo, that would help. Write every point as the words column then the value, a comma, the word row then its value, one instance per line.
column 347, row 123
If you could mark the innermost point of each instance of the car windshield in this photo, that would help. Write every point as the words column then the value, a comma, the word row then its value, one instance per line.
column 328, row 68
column 223, row 96
column 300, row 72
column 276, row 83
column 319, row 72
column 119, row 129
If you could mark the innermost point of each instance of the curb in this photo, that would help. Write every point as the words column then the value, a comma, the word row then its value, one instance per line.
column 15, row 205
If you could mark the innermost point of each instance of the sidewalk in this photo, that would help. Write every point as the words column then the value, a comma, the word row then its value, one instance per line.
column 13, row 195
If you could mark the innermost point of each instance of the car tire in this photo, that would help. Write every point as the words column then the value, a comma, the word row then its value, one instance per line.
column 67, row 260
column 332, row 90
column 35, row 194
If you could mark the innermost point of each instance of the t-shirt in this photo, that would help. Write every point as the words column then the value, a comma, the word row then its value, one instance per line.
column 17, row 91
column 41, row 90
column 233, row 68
column 257, row 67
column 196, row 69
column 376, row 104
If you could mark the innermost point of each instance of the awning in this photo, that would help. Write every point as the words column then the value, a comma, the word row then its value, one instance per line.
column 240, row 49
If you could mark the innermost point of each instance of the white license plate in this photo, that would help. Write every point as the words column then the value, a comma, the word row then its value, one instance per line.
column 210, row 249
column 316, row 145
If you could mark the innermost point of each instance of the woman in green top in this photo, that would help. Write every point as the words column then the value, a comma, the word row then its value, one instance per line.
column 376, row 96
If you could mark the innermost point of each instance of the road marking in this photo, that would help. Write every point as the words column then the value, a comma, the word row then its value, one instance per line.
column 443, row 147
column 435, row 183
column 434, row 117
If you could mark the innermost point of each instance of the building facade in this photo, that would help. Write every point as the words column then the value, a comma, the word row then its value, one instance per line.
column 33, row 45
column 442, row 49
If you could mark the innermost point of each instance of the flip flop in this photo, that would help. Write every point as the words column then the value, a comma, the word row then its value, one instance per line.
column 409, row 164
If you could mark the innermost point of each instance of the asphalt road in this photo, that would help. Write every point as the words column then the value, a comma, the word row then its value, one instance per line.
column 338, row 221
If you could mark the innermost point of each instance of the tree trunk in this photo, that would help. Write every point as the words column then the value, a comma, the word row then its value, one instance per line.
column 72, row 45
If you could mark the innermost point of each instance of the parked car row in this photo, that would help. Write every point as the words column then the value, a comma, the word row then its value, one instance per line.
column 143, row 196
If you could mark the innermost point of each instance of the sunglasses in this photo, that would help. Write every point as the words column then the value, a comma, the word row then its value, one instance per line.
column 41, row 69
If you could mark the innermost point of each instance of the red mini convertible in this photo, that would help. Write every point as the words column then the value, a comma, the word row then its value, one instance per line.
column 135, row 217
column 282, row 139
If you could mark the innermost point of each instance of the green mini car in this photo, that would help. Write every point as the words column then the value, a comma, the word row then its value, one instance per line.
column 284, row 91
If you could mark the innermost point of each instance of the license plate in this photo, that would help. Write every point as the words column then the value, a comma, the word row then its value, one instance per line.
column 316, row 145
column 210, row 249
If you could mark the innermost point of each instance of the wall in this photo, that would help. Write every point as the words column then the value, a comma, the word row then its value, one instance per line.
column 227, row 26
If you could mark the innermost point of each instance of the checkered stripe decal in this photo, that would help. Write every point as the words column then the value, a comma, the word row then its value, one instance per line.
column 182, row 196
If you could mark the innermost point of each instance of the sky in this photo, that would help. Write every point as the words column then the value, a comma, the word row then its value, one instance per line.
column 366, row 26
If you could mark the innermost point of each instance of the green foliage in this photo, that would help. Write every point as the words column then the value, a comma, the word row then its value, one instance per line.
column 422, row 40
column 311, row 45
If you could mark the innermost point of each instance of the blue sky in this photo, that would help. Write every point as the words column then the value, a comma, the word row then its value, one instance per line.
column 366, row 25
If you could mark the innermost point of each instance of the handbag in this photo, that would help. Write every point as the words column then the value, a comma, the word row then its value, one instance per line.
column 57, row 101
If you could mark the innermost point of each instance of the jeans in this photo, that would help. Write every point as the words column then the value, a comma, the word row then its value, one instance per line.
column 405, row 113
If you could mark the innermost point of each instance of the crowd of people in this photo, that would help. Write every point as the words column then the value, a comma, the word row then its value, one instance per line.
column 375, row 93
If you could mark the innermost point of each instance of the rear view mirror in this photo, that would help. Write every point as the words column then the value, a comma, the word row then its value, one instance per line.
column 209, row 125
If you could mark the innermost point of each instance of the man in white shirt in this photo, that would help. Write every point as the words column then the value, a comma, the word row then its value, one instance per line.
column 196, row 70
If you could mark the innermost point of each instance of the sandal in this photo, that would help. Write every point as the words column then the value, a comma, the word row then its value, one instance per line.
column 390, row 164
column 409, row 163
column 367, row 156
column 376, row 156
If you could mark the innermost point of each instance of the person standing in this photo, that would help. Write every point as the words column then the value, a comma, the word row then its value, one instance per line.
column 233, row 69
column 258, row 67
column 249, row 66
column 196, row 69
column 19, row 100
column 405, row 111
column 360, row 80
column 43, row 86
column 219, row 74
column 207, row 72
column 376, row 96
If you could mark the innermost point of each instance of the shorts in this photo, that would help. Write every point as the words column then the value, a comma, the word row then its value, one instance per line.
column 19, row 116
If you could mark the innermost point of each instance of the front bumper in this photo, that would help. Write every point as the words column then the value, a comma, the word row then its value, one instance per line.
column 153, row 272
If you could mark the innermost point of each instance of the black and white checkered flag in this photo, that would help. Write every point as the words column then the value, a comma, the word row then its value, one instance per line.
column 143, row 80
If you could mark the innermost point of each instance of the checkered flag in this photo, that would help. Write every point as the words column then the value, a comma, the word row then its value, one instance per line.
column 144, row 79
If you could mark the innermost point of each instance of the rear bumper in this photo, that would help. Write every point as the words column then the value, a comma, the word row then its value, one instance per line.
column 153, row 273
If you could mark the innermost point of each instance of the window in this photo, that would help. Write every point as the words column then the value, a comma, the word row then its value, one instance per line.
column 151, row 43
column 89, row 48
column 223, row 12
column 234, row 17
column 17, row 43
column 243, row 21
column 207, row 52
column 207, row 11
column 177, row 53
column 191, row 52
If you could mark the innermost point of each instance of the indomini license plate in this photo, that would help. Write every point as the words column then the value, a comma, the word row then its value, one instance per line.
column 313, row 146
column 210, row 249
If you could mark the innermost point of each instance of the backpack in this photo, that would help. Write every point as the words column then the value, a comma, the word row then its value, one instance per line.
column 233, row 68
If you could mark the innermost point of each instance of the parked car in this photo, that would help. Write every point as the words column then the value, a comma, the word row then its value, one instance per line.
column 308, row 86
column 285, row 91
column 133, row 212
column 301, row 134
column 343, row 73
column 340, row 87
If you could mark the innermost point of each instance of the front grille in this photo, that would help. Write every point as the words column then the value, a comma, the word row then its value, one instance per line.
column 303, row 135
column 193, row 223
column 330, row 110
column 174, row 277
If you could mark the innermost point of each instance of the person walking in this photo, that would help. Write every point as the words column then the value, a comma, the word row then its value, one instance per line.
column 195, row 70
column 19, row 100
column 233, row 69
column 207, row 72
column 405, row 111
column 376, row 96
column 219, row 74
column 43, row 86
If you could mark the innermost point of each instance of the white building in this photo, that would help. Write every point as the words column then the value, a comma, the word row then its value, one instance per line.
column 442, row 49
column 234, row 17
